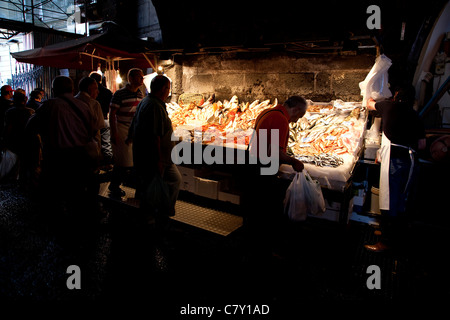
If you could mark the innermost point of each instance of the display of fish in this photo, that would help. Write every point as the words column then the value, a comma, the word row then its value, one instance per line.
column 325, row 134
column 354, row 114
column 322, row 160
column 228, row 116
column 317, row 138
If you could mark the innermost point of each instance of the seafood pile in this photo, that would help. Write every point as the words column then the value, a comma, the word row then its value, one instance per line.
column 320, row 108
column 232, row 118
column 322, row 160
column 317, row 136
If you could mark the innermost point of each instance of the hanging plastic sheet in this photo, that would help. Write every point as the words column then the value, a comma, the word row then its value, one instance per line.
column 376, row 83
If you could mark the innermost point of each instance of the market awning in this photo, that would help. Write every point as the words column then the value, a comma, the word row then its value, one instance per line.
column 109, row 48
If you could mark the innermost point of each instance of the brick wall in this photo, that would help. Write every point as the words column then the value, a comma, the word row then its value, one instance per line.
column 263, row 76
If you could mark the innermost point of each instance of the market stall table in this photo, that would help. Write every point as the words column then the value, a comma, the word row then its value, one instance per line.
column 328, row 139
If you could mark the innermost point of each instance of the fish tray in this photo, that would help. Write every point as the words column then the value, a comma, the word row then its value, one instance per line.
column 319, row 107
column 188, row 98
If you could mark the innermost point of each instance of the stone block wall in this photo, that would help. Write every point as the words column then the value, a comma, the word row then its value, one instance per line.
column 263, row 76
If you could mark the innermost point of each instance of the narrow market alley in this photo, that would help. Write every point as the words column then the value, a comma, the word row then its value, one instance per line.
column 322, row 262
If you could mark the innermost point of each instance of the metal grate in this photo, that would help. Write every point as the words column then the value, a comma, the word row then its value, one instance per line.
column 213, row 220
column 209, row 219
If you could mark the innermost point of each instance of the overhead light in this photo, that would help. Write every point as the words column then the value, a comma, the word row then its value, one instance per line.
column 160, row 69
column 118, row 78
column 99, row 70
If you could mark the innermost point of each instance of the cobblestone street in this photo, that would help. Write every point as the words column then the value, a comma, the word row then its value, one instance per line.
column 322, row 263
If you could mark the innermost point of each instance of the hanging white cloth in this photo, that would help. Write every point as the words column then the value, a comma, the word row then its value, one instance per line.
column 385, row 155
column 123, row 153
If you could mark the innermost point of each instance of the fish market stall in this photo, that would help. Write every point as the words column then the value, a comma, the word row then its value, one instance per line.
column 328, row 139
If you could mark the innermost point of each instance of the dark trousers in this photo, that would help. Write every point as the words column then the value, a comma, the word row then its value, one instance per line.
column 394, row 221
column 120, row 175
column 264, row 220
column 68, row 193
column 152, row 225
column 398, row 189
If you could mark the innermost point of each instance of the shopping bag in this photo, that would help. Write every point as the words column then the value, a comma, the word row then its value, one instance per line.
column 156, row 196
column 303, row 196
column 8, row 160
column 376, row 85
column 295, row 205
column 314, row 195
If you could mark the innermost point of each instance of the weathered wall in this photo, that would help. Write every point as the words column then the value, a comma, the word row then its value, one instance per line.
column 262, row 76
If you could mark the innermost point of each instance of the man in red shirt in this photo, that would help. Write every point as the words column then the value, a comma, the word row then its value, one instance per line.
column 265, row 190
column 272, row 122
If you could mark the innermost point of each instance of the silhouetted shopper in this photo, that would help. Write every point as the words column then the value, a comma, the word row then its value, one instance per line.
column 65, row 126
column 104, row 98
column 403, row 136
column 122, row 109
column 5, row 104
column 151, row 132
column 16, row 119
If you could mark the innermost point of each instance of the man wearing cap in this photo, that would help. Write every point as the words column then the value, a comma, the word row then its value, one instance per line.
column 5, row 104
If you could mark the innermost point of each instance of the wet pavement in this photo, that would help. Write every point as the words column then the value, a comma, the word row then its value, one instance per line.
column 321, row 263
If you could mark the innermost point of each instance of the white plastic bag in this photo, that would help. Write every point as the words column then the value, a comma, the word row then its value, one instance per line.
column 314, row 196
column 303, row 196
column 295, row 205
column 375, row 85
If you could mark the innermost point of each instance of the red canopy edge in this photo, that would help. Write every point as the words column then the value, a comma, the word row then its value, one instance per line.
column 85, row 53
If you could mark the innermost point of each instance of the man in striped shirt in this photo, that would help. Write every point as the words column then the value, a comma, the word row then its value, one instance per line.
column 122, row 109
